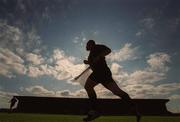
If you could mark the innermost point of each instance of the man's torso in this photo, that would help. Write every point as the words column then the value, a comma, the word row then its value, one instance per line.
column 101, row 63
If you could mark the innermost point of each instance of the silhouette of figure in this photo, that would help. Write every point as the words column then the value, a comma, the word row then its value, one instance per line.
column 101, row 74
column 12, row 103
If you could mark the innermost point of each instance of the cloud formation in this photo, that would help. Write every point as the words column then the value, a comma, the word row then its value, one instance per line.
column 35, row 59
column 11, row 63
column 158, row 62
column 20, row 53
column 62, row 67
column 124, row 53
column 155, row 71
column 151, row 90
column 39, row 90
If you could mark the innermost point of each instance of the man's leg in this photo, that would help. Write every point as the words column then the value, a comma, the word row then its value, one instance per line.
column 114, row 88
column 89, row 87
column 11, row 106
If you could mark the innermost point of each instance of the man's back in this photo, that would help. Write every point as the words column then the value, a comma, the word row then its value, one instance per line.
column 100, row 64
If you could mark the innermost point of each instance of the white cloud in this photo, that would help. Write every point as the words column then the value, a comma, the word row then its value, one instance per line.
column 80, row 93
column 175, row 96
column 34, row 71
column 10, row 36
column 123, row 54
column 34, row 58
column 139, row 90
column 9, row 57
column 20, row 53
column 156, row 71
column 15, row 46
column 118, row 73
column 18, row 68
column 40, row 91
column 102, row 92
column 143, row 76
column 168, row 87
column 116, row 68
column 8, row 95
column 158, row 61
column 76, row 94
column 64, row 93
column 134, row 90
column 11, row 63
column 65, row 65
column 146, row 90
column 5, row 70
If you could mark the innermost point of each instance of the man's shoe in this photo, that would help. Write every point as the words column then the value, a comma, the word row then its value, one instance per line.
column 134, row 108
column 91, row 116
column 138, row 118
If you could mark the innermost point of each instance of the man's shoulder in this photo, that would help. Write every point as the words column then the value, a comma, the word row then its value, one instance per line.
column 100, row 45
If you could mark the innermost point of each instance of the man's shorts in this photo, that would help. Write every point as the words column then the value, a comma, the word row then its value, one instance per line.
column 102, row 76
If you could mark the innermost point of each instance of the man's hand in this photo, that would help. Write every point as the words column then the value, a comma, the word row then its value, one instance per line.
column 86, row 62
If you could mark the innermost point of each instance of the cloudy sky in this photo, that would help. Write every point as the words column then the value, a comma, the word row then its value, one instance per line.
column 42, row 47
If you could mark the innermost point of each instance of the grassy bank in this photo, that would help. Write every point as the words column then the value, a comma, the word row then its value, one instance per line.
column 22, row 117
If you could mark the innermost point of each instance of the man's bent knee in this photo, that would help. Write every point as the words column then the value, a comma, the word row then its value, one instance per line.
column 88, row 88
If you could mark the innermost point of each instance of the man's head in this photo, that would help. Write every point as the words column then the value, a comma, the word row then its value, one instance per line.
column 90, row 44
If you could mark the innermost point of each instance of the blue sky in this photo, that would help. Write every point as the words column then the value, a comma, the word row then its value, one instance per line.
column 42, row 46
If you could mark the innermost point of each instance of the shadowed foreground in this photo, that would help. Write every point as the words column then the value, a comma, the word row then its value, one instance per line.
column 80, row 106
column 21, row 117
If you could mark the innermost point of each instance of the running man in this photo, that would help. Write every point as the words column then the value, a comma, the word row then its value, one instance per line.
column 101, row 74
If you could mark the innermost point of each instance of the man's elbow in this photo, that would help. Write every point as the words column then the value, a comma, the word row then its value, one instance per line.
column 108, row 51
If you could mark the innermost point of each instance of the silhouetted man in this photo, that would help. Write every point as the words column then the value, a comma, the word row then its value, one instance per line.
column 12, row 103
column 101, row 74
